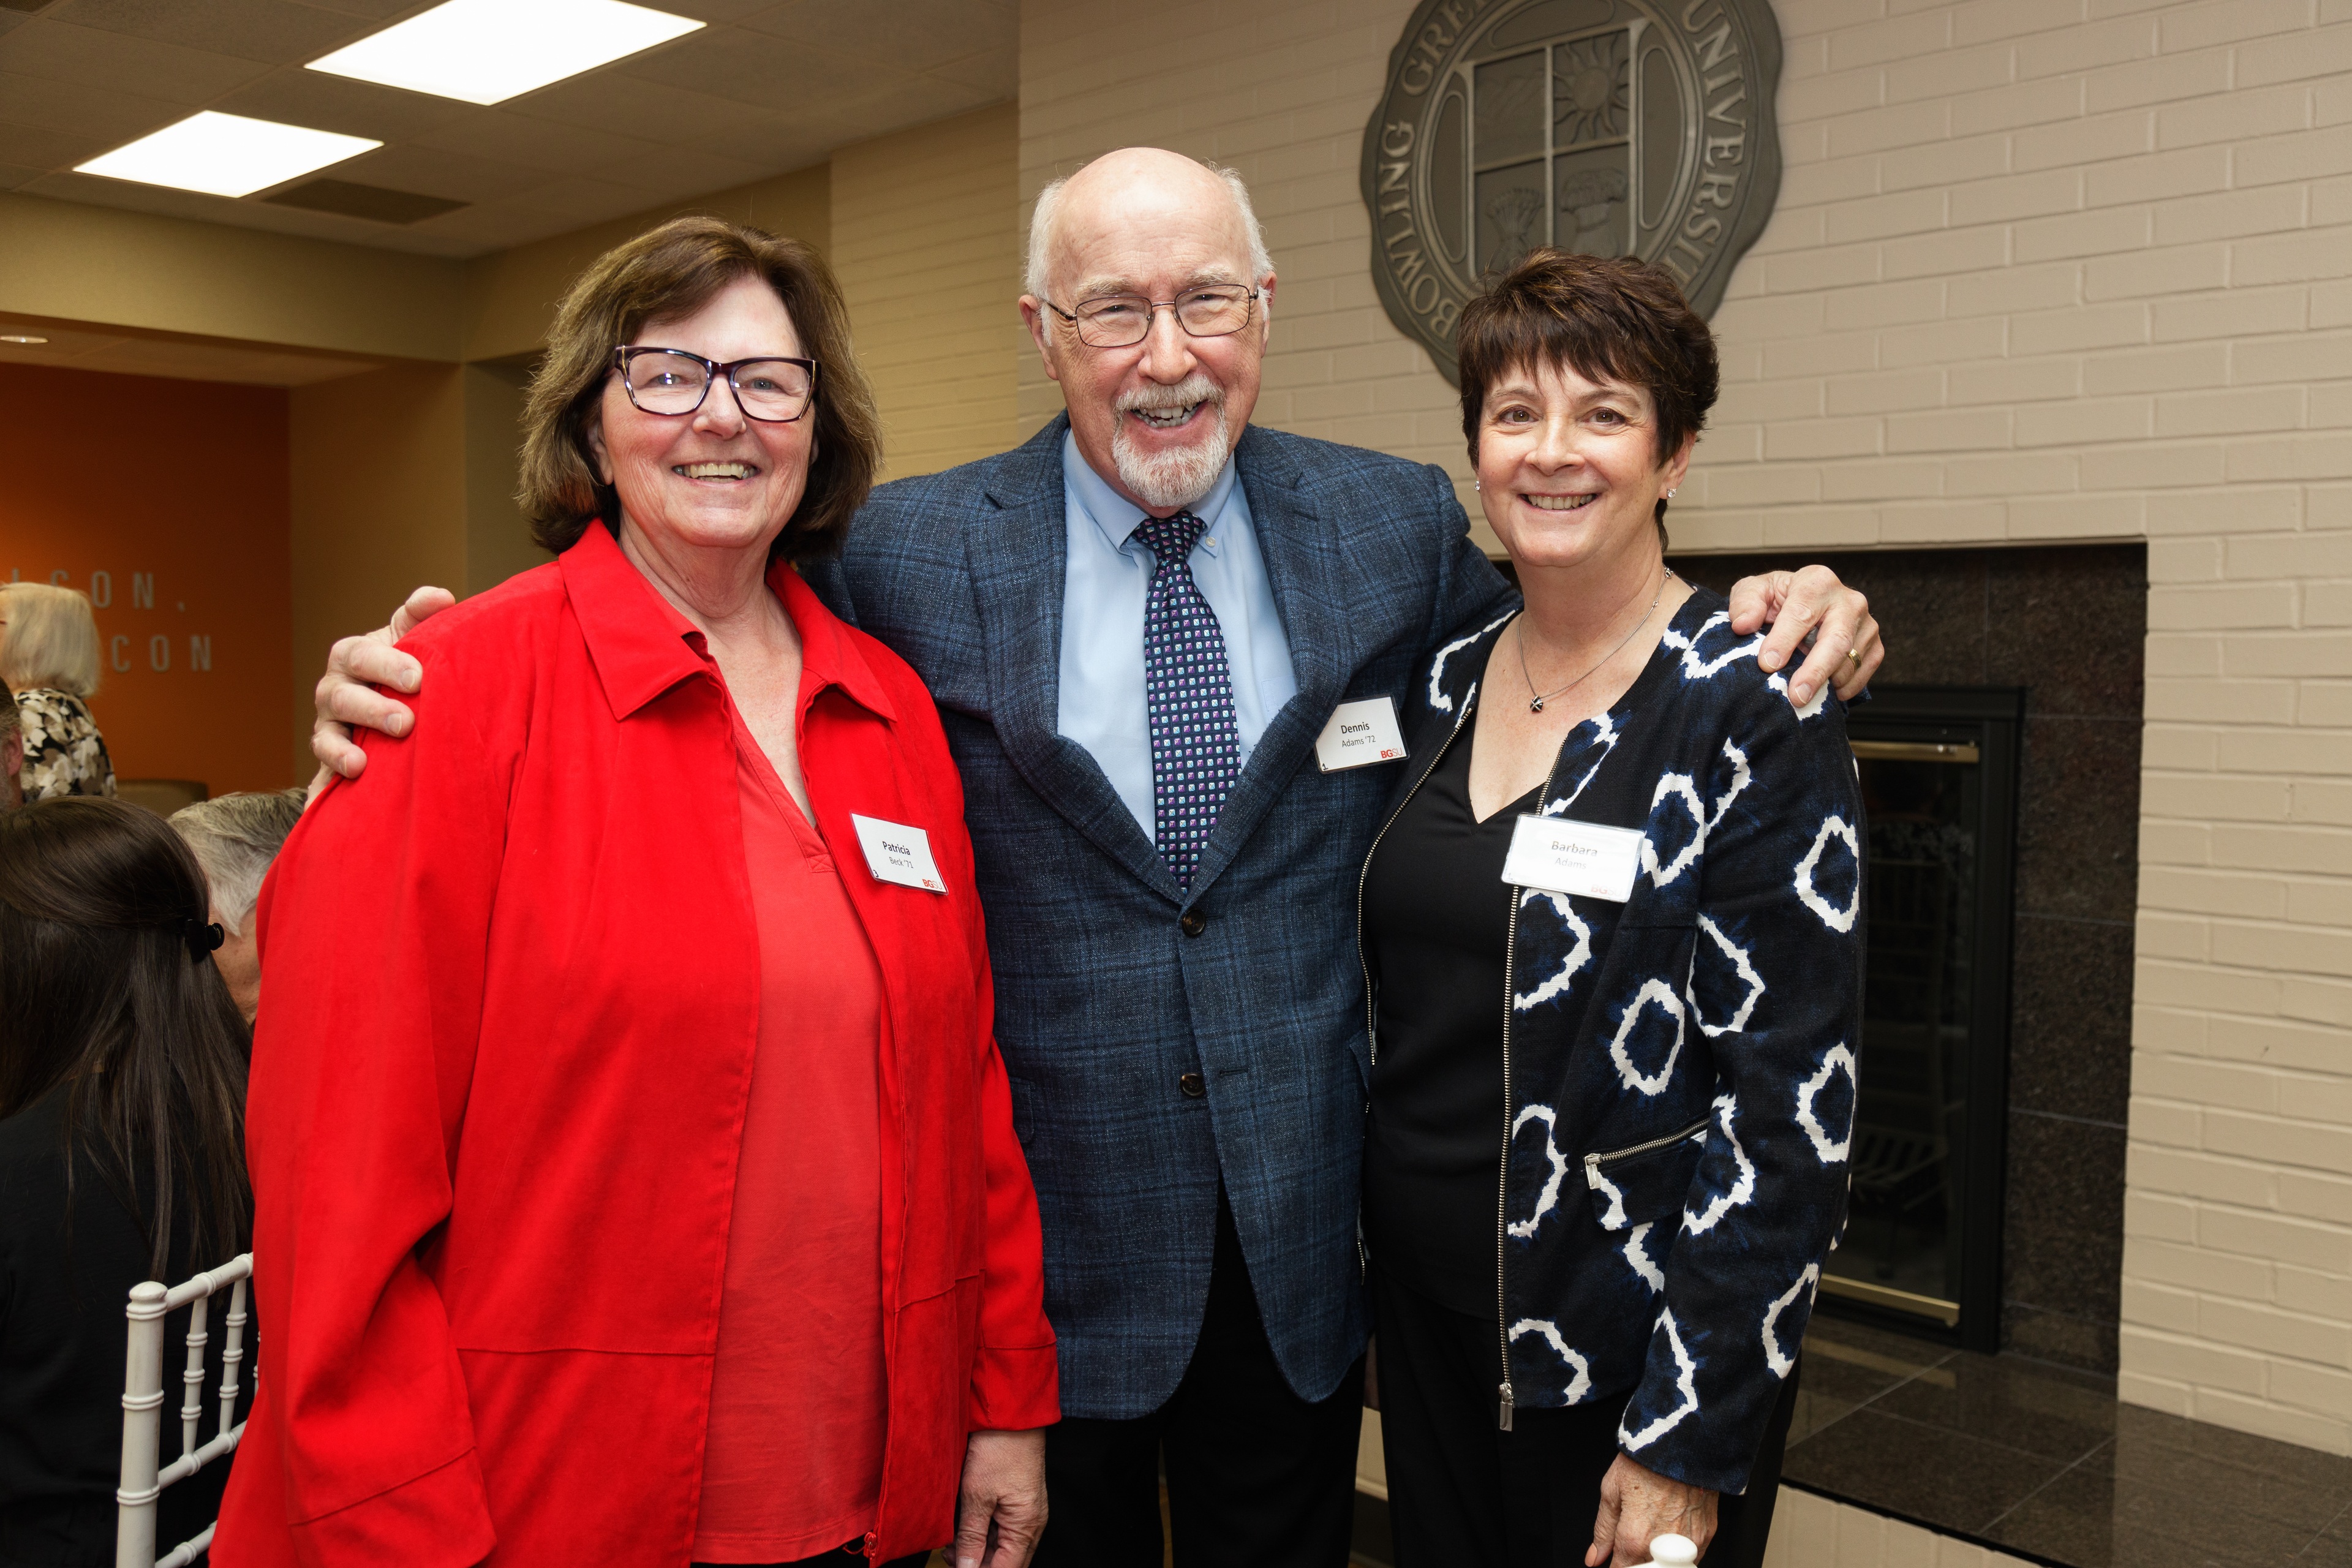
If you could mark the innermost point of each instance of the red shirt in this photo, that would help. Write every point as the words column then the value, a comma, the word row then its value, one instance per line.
column 499, row 1099
column 794, row 1460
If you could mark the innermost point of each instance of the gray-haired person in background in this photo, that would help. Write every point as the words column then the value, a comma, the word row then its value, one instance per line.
column 235, row 837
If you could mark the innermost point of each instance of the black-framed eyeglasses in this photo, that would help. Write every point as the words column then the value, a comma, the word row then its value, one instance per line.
column 1120, row 321
column 772, row 389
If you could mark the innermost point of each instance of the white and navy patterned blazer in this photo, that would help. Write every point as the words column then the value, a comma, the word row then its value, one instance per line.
column 1681, row 1067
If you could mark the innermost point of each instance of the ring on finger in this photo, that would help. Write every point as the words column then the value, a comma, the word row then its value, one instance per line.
column 1854, row 654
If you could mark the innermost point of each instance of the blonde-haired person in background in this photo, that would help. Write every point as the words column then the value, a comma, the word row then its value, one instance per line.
column 49, row 655
column 235, row 837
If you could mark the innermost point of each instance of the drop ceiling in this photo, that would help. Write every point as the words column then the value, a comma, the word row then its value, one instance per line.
column 767, row 86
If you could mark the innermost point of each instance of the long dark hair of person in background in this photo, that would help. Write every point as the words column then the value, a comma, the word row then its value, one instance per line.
column 108, row 990
column 123, row 1067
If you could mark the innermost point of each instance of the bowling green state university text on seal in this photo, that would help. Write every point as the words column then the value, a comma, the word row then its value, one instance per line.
column 1611, row 127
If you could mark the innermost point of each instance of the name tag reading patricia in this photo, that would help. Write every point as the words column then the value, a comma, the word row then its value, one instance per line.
column 1359, row 734
column 1558, row 856
column 897, row 853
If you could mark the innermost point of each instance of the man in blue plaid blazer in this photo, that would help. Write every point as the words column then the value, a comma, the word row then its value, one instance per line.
column 1186, row 1042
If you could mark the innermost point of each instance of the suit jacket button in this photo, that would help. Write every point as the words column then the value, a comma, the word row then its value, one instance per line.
column 1193, row 1085
column 1192, row 923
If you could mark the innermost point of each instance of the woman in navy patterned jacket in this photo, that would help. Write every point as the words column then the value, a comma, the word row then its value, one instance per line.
column 1611, row 938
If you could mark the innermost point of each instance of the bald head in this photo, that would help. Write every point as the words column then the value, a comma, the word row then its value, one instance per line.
column 1144, row 192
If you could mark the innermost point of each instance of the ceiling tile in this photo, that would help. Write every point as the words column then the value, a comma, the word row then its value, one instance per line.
column 782, row 142
column 116, row 116
column 652, row 111
column 686, row 170
column 579, row 199
column 117, row 61
column 911, row 37
column 754, row 67
column 713, row 10
column 375, row 10
column 433, row 171
column 324, row 102
column 536, row 143
column 274, row 30
column 13, row 178
column 42, row 147
column 996, row 73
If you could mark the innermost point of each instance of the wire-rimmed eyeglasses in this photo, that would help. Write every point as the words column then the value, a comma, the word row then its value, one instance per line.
column 1121, row 321
column 772, row 389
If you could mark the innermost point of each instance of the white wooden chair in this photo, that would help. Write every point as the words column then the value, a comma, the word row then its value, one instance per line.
column 144, row 1476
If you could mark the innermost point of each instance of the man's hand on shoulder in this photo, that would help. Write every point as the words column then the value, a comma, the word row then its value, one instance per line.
column 346, row 698
column 1812, row 603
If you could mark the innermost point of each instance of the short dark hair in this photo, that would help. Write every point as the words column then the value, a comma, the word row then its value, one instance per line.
column 673, row 270
column 1608, row 319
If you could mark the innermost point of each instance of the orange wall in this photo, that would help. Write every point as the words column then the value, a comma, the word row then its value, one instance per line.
column 167, row 502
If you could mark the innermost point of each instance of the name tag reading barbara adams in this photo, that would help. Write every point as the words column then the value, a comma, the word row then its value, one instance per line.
column 1583, row 858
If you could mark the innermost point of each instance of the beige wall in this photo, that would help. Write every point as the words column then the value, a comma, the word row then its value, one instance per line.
column 926, row 241
column 2040, row 270
column 101, row 267
column 379, row 490
column 510, row 295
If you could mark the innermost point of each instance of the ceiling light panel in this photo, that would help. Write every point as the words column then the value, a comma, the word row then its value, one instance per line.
column 226, row 154
column 487, row 51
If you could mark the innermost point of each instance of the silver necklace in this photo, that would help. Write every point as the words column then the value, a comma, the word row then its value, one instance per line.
column 1537, row 699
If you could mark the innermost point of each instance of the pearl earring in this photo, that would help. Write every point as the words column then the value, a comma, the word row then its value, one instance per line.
column 1477, row 484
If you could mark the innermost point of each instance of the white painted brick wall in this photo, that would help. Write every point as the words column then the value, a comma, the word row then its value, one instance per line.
column 2041, row 270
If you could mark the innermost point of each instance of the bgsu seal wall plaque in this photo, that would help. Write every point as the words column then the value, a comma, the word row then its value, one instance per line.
column 1611, row 127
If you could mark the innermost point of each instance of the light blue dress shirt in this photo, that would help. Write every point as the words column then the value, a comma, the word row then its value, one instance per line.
column 1109, row 574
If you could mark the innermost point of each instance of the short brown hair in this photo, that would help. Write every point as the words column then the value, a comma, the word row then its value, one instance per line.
column 670, row 271
column 1608, row 319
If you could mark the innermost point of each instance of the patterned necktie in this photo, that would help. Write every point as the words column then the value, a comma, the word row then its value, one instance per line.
column 1196, row 748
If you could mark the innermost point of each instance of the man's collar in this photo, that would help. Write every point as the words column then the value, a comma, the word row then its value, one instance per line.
column 642, row 646
column 1113, row 514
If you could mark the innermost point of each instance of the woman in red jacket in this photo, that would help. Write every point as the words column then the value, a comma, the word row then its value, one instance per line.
column 634, row 1171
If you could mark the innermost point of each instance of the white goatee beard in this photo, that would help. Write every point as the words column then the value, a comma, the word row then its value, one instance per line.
column 1181, row 474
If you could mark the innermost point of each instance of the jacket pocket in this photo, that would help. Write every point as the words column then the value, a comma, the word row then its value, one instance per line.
column 1645, row 1181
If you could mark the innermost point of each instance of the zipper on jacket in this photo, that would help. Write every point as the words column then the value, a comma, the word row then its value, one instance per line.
column 1372, row 1022
column 1593, row 1162
column 1503, row 1170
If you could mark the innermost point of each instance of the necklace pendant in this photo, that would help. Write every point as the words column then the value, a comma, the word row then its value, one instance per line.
column 1536, row 706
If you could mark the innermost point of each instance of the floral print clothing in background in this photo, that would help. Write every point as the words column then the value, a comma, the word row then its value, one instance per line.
column 64, row 754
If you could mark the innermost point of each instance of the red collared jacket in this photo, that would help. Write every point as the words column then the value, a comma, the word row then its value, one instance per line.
column 497, row 1095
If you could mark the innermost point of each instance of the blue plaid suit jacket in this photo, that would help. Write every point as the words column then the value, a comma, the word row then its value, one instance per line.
column 1103, row 1003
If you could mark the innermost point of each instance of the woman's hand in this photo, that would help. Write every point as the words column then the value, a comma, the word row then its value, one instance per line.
column 343, row 700
column 1002, row 1510
column 1637, row 1506
column 1846, row 651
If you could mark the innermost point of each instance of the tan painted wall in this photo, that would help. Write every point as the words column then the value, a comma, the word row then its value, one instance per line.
column 926, row 244
column 510, row 295
column 103, row 266
column 2042, row 269
column 380, row 505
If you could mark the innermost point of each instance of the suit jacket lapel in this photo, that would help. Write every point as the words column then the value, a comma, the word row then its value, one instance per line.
column 1017, row 553
column 1299, row 548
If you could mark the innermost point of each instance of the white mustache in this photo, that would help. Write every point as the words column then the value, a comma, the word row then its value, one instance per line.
column 1193, row 388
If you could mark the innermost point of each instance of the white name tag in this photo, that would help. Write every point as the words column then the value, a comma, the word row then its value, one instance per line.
column 897, row 853
column 1580, row 858
column 1359, row 734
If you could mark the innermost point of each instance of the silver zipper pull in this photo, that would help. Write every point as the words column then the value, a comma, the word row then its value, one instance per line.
column 1592, row 1172
column 1505, row 1412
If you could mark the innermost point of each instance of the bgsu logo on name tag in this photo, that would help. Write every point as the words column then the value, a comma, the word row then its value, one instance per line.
column 1359, row 734
column 897, row 853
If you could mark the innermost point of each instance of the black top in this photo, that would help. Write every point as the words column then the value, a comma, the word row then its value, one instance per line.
column 1436, row 924
column 62, row 1339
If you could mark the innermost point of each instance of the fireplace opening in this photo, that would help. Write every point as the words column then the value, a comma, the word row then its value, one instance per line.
column 1922, row 1245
